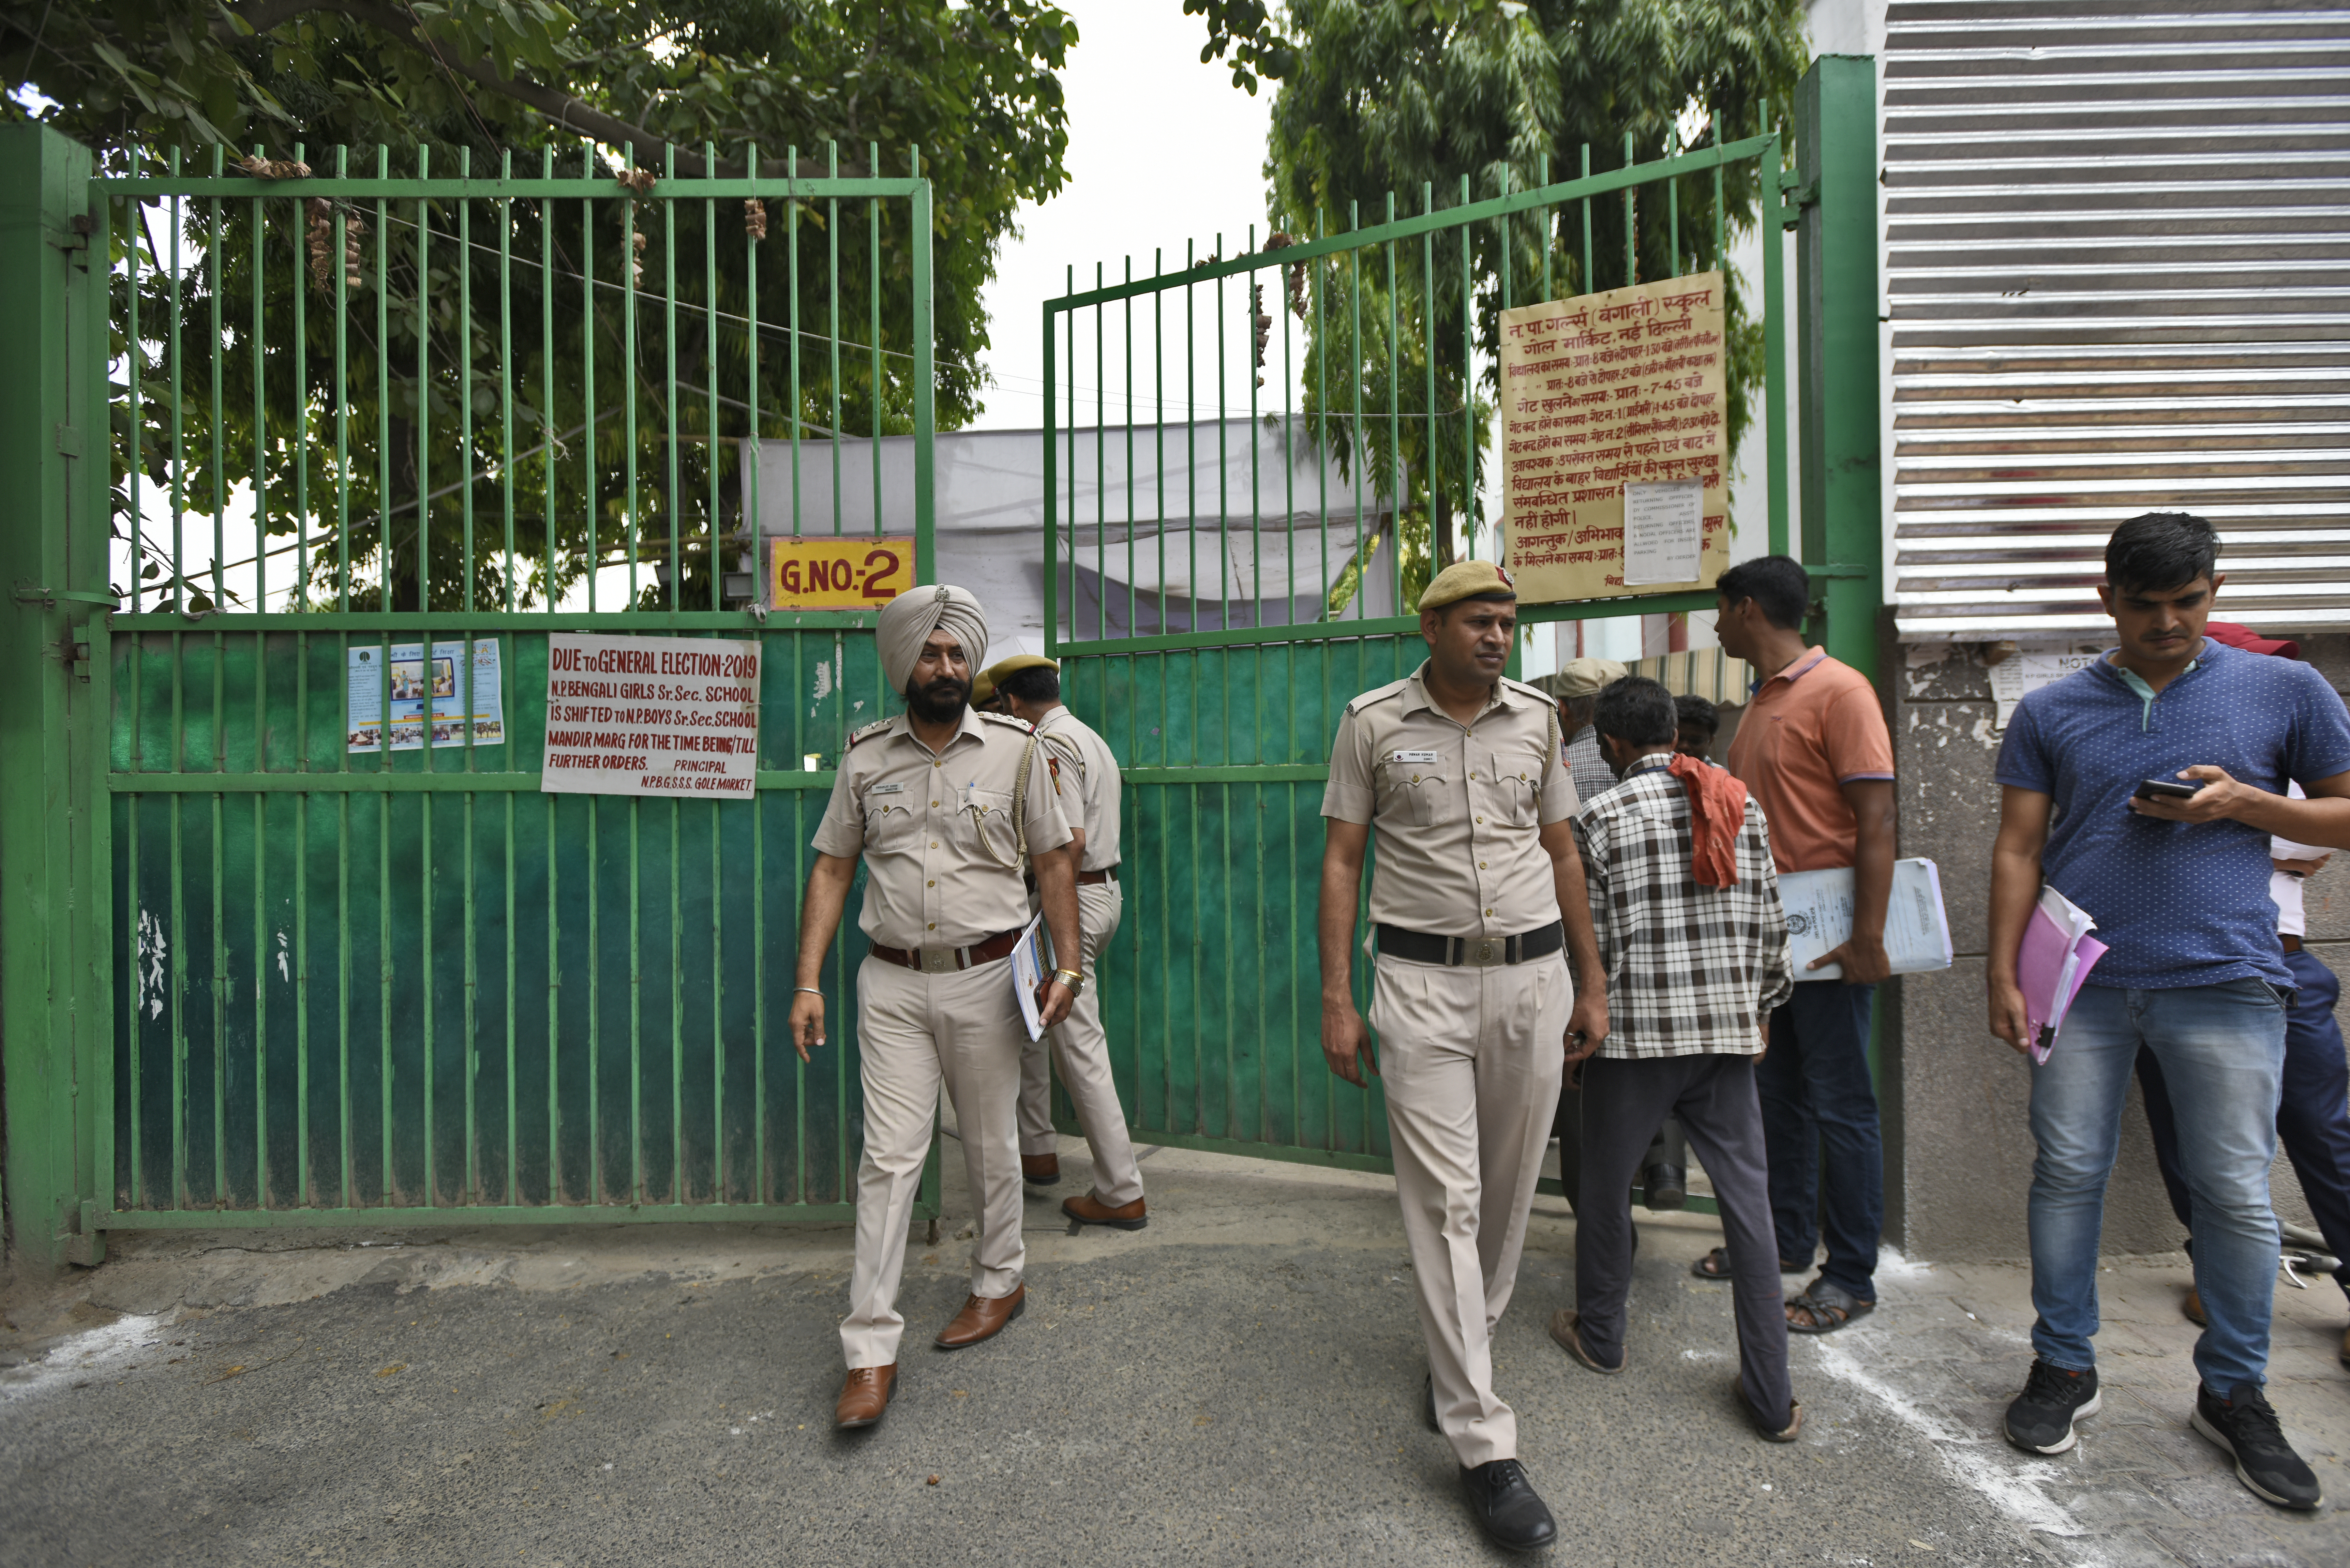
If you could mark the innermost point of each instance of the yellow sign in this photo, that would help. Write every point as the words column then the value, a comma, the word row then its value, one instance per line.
column 1614, row 442
column 845, row 572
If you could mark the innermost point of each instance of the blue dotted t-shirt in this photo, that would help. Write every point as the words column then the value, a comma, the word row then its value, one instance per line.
column 2178, row 904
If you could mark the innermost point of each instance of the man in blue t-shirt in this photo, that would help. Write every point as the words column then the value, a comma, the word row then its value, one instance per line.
column 2179, row 890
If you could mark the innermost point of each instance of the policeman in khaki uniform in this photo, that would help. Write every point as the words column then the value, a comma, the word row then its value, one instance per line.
column 1089, row 795
column 940, row 803
column 1478, row 888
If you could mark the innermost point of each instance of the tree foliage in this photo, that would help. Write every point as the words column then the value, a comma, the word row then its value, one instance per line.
column 469, row 84
column 1439, row 100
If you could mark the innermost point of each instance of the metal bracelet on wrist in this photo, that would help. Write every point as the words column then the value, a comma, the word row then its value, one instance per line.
column 1071, row 979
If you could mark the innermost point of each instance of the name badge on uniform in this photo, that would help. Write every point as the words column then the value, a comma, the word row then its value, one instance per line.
column 1415, row 759
column 884, row 788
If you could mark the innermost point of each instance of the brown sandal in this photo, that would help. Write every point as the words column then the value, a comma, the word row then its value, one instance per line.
column 1826, row 1307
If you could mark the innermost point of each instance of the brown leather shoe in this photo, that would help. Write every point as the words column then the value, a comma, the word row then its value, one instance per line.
column 1092, row 1210
column 864, row 1396
column 1044, row 1169
column 2190, row 1305
column 982, row 1317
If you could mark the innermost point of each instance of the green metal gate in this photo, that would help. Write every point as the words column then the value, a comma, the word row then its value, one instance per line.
column 381, row 403
column 1212, row 986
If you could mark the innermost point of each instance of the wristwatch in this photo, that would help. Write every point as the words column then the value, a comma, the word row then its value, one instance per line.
column 1071, row 977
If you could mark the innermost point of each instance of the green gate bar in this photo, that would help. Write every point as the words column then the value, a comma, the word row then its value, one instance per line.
column 328, row 988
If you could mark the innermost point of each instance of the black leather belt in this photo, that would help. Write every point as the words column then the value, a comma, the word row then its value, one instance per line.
column 1477, row 952
column 1085, row 878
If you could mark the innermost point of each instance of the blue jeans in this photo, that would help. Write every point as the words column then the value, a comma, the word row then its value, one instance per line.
column 1816, row 1094
column 2313, row 1119
column 2222, row 1051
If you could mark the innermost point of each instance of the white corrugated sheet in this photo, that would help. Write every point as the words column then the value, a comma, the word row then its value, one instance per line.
column 2119, row 262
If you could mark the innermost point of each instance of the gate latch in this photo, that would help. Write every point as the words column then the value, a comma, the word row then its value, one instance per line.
column 49, row 598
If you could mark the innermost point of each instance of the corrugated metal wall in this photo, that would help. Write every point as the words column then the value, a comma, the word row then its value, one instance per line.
column 2118, row 261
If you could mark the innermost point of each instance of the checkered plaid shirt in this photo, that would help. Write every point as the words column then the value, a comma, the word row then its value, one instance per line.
column 1692, row 970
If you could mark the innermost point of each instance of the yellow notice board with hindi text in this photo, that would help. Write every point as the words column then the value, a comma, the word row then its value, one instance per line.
column 1614, row 442
column 842, row 571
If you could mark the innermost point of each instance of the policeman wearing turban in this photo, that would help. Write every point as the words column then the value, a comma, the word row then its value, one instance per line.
column 940, row 803
column 1477, row 902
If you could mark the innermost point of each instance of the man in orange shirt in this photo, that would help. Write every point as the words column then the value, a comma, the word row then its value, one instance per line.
column 1815, row 750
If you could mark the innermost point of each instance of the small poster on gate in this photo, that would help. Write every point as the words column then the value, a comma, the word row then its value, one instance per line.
column 675, row 716
column 845, row 571
column 426, row 695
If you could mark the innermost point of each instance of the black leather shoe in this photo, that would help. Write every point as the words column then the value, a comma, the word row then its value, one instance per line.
column 1507, row 1510
column 1664, row 1188
column 1433, row 1424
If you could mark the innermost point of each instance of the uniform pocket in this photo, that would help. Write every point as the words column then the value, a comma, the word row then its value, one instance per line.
column 984, row 825
column 889, row 824
column 1420, row 793
column 1507, row 786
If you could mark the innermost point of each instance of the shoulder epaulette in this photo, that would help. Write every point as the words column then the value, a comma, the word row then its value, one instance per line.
column 1527, row 689
column 868, row 732
column 1375, row 694
column 1022, row 725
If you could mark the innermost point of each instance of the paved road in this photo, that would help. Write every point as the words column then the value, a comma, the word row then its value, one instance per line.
column 1237, row 1385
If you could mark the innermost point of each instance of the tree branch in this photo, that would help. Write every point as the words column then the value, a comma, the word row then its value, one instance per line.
column 561, row 107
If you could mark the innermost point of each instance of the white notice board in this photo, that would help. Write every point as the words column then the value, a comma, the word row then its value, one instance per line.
column 676, row 716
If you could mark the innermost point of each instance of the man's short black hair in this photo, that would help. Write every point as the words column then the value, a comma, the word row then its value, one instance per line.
column 1778, row 583
column 1695, row 709
column 2159, row 550
column 1638, row 712
column 1034, row 684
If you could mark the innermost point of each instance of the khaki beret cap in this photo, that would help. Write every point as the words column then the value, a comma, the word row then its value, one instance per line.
column 1582, row 677
column 983, row 689
column 1003, row 667
column 1466, row 580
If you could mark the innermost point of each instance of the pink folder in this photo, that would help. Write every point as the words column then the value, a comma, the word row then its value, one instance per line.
column 2052, row 965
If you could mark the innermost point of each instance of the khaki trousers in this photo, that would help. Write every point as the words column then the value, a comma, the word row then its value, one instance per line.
column 914, row 1031
column 1080, row 1048
column 1472, row 1060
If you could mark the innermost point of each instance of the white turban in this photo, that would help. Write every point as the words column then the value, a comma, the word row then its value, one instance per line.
column 908, row 620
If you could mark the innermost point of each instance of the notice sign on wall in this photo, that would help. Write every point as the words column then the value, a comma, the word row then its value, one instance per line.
column 1608, row 393
column 845, row 571
column 651, row 716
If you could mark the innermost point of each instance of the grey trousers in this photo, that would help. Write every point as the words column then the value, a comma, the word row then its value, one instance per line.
column 1713, row 1098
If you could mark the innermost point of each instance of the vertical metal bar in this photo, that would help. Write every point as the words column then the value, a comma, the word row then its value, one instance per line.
column 423, row 423
column 466, row 454
column 669, row 501
column 832, row 239
column 1076, row 632
column 792, row 289
column 1158, row 420
column 1590, row 283
column 1673, row 208
column 1720, row 219
column 873, row 321
column 631, row 271
column 1397, row 478
column 1223, row 457
column 1101, row 470
column 1631, row 222
column 1256, row 497
column 504, row 209
column 1053, row 494
column 1128, row 304
column 919, row 236
column 1548, row 217
column 591, row 505
column 710, row 369
column 1468, row 369
column 754, row 513
column 1774, row 344
column 1356, row 445
column 1428, row 464
column 260, row 415
column 260, row 715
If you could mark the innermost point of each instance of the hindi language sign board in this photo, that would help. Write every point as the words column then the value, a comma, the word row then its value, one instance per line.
column 846, row 571
column 651, row 716
column 1605, row 394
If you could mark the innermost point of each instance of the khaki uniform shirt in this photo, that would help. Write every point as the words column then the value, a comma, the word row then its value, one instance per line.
column 1088, row 790
column 1456, row 812
column 941, row 852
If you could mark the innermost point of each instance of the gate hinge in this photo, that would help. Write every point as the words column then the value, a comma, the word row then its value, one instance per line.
column 69, row 441
column 1799, row 196
column 76, row 234
column 47, row 599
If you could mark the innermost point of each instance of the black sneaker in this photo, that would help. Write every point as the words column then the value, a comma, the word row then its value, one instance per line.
column 2042, row 1417
column 2245, row 1424
column 1506, row 1508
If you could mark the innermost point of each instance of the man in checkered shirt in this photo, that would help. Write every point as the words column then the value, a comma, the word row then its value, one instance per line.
column 1693, row 940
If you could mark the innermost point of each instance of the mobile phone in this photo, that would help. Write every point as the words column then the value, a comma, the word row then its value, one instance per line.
column 2166, row 789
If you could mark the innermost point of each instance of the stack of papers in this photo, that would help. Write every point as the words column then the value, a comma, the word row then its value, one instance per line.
column 2053, row 963
column 1819, row 918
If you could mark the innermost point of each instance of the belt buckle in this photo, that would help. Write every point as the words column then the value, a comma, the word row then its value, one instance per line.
column 937, row 960
column 1484, row 955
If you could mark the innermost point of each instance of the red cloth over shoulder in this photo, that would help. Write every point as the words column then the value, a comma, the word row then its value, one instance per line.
column 1717, row 811
column 2250, row 641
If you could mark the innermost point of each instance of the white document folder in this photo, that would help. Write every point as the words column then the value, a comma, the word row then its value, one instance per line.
column 1819, row 918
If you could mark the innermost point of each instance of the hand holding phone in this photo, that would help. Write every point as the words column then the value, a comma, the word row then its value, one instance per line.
column 2166, row 789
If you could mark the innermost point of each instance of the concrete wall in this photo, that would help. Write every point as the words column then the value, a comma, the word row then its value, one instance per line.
column 1958, row 1150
